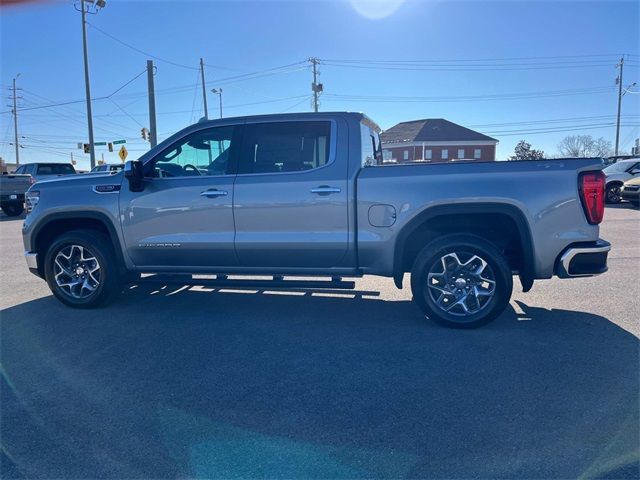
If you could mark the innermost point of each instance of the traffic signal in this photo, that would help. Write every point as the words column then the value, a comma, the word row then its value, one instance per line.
column 86, row 148
column 110, row 146
column 144, row 133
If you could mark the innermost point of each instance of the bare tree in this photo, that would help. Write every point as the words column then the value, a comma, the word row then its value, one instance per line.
column 584, row 146
column 523, row 151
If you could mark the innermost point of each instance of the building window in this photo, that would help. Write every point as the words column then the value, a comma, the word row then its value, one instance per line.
column 386, row 155
column 476, row 154
column 445, row 154
column 405, row 155
column 428, row 154
column 461, row 153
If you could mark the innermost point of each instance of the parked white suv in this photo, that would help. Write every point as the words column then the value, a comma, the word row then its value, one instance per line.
column 617, row 174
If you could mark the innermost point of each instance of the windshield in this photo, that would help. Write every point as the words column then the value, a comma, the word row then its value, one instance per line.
column 619, row 167
column 55, row 169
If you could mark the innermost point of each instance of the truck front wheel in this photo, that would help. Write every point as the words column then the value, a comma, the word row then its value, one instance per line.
column 461, row 281
column 81, row 270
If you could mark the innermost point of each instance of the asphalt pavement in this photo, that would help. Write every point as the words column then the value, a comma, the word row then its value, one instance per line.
column 177, row 381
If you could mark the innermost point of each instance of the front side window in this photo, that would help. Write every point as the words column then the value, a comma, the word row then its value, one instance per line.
column 206, row 152
column 280, row 147
column 445, row 154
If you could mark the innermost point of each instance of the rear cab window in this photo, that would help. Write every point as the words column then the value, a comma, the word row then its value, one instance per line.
column 370, row 141
column 55, row 169
column 281, row 147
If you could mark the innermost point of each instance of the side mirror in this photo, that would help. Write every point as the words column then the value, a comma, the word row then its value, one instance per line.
column 133, row 173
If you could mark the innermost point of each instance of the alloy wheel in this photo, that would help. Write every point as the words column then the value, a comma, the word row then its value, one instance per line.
column 77, row 271
column 461, row 284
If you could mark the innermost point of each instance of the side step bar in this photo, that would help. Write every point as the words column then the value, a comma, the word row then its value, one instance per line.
column 223, row 281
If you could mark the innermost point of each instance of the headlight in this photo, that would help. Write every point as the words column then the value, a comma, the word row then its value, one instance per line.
column 31, row 199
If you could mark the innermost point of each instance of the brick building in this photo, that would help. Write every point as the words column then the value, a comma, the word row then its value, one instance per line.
column 435, row 140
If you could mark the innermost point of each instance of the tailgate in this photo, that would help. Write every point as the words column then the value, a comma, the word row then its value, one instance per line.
column 14, row 184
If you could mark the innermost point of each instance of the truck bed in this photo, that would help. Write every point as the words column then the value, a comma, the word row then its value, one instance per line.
column 544, row 191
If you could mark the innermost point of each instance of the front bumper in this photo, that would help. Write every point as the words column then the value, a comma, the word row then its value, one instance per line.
column 631, row 193
column 583, row 259
column 32, row 262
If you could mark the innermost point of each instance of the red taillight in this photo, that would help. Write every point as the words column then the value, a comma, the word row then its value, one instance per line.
column 591, row 185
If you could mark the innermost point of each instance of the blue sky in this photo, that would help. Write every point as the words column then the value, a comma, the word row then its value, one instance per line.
column 471, row 47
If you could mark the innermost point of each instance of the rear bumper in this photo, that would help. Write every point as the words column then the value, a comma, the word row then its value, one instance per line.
column 12, row 198
column 583, row 259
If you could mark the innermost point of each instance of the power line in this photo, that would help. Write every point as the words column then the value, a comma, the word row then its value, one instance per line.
column 556, row 120
column 147, row 54
column 506, row 133
column 466, row 98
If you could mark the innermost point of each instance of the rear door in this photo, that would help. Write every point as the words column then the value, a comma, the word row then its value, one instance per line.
column 184, row 216
column 290, row 201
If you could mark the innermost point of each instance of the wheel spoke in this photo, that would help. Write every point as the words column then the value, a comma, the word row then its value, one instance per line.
column 76, row 271
column 461, row 288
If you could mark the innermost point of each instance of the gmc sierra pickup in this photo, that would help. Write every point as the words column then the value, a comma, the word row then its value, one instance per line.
column 306, row 195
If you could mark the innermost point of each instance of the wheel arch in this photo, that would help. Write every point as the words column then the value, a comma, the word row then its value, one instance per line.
column 467, row 211
column 55, row 224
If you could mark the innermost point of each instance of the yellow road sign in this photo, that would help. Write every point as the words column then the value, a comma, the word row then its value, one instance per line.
column 122, row 153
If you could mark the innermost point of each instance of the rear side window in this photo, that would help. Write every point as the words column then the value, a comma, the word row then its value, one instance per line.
column 280, row 147
column 55, row 169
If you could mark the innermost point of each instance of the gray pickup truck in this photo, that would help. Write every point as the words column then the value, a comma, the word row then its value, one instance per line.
column 306, row 195
column 12, row 189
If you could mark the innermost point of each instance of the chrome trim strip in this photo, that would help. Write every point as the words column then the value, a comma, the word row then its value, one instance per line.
column 567, row 256
column 32, row 259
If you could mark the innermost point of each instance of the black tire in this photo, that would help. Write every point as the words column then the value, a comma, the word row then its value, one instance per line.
column 13, row 209
column 98, row 246
column 433, row 257
column 612, row 193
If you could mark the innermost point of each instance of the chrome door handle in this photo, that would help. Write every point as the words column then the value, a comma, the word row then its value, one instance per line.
column 325, row 190
column 214, row 192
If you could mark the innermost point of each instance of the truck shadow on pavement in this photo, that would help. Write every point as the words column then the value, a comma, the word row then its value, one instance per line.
column 172, row 382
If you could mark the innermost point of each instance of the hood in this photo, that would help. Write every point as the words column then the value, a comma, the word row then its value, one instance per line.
column 79, row 179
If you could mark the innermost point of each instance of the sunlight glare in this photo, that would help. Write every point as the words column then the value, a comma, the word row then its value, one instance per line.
column 376, row 9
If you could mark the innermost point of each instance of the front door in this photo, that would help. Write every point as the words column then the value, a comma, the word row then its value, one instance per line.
column 184, row 215
column 291, row 196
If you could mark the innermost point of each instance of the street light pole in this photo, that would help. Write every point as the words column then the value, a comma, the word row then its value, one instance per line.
column 218, row 91
column 92, row 150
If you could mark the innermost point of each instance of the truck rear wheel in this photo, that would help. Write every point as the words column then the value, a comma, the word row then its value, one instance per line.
column 13, row 209
column 461, row 281
column 81, row 270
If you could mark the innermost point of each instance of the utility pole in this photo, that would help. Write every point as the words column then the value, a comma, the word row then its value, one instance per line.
column 315, row 87
column 204, row 90
column 15, row 121
column 621, row 65
column 153, row 135
column 87, row 86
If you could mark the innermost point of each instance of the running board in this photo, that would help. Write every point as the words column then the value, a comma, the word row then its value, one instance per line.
column 223, row 281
